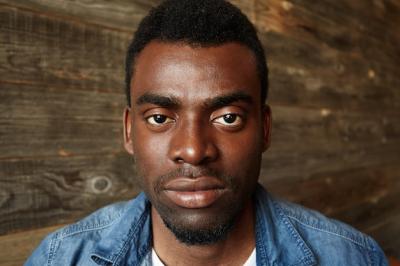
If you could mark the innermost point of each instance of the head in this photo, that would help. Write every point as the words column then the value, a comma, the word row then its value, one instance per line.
column 206, row 23
column 196, row 121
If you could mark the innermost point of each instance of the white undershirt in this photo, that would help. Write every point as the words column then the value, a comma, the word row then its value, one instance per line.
column 251, row 261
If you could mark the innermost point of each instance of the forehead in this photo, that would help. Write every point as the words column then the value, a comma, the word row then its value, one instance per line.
column 194, row 73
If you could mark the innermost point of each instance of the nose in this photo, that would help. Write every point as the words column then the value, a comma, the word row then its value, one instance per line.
column 193, row 144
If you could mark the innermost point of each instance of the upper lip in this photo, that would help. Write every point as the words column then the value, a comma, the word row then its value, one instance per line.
column 194, row 184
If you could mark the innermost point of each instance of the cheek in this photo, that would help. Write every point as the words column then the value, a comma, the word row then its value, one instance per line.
column 242, row 145
column 241, row 155
column 150, row 151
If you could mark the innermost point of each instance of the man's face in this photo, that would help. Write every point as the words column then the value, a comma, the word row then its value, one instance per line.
column 197, row 130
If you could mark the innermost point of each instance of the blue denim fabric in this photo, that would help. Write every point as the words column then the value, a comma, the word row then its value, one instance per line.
column 286, row 234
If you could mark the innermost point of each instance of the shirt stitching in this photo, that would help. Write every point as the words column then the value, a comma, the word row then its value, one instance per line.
column 309, row 259
column 83, row 230
column 328, row 232
column 132, row 232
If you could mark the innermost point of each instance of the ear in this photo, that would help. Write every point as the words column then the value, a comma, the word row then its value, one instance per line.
column 127, row 120
column 267, row 127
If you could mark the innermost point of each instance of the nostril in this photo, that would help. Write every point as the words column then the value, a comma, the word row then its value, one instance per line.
column 192, row 146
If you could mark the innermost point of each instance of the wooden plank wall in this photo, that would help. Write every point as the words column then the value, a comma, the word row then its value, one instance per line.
column 335, row 98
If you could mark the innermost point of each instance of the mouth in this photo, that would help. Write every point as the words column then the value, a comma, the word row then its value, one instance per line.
column 194, row 193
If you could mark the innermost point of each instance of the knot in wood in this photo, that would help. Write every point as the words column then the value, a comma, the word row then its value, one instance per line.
column 100, row 184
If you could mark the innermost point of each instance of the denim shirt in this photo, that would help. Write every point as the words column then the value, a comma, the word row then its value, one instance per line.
column 286, row 234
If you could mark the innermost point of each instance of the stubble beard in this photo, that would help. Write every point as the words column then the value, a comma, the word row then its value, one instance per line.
column 211, row 230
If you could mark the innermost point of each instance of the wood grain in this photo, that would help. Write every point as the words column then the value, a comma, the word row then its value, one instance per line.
column 386, row 234
column 43, row 191
column 56, row 122
column 16, row 248
column 40, row 50
column 370, row 186
column 120, row 15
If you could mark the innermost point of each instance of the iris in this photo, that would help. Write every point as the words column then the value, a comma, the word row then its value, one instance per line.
column 230, row 118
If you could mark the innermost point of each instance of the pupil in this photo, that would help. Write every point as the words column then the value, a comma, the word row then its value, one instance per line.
column 229, row 118
column 160, row 118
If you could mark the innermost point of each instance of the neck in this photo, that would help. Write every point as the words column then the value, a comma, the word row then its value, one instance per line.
column 232, row 250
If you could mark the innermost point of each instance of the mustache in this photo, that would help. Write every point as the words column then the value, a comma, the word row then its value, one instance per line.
column 191, row 172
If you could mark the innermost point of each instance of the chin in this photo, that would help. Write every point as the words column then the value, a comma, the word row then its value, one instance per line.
column 199, row 229
column 200, row 226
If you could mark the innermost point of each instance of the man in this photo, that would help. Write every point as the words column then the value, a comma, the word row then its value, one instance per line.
column 197, row 125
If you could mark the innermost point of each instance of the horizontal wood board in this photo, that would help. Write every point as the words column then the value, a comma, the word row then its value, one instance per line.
column 334, row 95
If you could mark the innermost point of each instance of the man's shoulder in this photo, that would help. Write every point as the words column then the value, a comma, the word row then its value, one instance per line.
column 330, row 239
column 312, row 220
column 82, row 237
column 99, row 219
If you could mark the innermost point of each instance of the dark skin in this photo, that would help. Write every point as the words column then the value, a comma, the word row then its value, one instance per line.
column 198, row 109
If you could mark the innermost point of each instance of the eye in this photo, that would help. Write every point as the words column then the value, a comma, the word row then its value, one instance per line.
column 229, row 120
column 158, row 120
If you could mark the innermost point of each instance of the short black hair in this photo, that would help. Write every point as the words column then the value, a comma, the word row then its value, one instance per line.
column 203, row 23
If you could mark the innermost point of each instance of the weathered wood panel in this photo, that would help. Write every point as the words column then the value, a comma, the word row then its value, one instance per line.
column 120, row 15
column 52, row 190
column 42, row 50
column 354, row 202
column 309, row 75
column 14, row 248
column 387, row 233
column 56, row 122
column 334, row 94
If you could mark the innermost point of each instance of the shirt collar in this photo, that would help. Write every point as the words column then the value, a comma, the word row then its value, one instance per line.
column 130, row 238
column 277, row 240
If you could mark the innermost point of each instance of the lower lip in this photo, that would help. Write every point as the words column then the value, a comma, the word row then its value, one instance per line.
column 194, row 199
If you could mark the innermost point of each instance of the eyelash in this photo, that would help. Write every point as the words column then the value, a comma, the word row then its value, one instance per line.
column 237, row 118
column 153, row 117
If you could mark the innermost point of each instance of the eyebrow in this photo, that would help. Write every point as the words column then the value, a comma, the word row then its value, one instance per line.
column 160, row 100
column 212, row 103
column 227, row 99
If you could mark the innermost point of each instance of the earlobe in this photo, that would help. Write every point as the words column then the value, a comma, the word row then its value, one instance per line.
column 267, row 127
column 127, row 121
